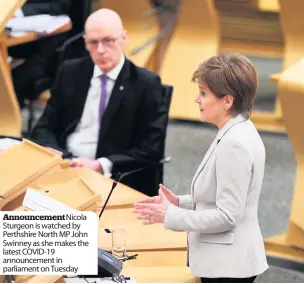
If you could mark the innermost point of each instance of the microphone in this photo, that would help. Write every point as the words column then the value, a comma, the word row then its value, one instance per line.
column 119, row 176
column 116, row 180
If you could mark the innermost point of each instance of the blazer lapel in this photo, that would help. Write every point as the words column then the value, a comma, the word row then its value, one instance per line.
column 238, row 119
column 203, row 163
column 80, row 93
column 120, row 89
column 233, row 121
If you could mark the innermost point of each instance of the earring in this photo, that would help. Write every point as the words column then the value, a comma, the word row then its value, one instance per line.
column 225, row 107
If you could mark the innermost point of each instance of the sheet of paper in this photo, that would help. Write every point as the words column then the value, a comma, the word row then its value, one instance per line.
column 36, row 201
column 16, row 34
column 7, row 142
column 38, row 23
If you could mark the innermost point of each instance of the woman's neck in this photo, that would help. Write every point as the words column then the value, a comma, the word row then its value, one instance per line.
column 224, row 121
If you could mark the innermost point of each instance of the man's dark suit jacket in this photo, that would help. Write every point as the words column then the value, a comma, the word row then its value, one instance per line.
column 133, row 126
column 37, row 7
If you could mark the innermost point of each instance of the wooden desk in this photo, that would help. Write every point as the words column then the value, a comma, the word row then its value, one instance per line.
column 14, row 181
column 291, row 22
column 163, row 274
column 159, row 266
column 122, row 196
column 173, row 258
column 162, row 253
column 12, row 41
column 290, row 245
column 139, row 237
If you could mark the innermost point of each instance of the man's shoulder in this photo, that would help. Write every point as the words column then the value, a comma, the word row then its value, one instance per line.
column 75, row 64
column 143, row 74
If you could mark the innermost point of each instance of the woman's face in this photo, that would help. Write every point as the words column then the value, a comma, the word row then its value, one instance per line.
column 212, row 109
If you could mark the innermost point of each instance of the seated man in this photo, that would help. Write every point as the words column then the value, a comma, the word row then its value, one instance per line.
column 40, row 55
column 105, row 110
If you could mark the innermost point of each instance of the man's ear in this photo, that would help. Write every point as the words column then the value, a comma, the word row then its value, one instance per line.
column 84, row 38
column 125, row 37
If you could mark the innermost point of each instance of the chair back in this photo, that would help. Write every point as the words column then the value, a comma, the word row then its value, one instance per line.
column 167, row 91
column 79, row 12
column 153, row 174
column 74, row 46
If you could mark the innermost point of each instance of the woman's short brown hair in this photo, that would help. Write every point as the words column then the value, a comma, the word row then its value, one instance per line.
column 230, row 74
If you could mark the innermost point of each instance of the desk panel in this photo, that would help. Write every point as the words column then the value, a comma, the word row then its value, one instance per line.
column 165, row 274
column 139, row 237
column 28, row 37
column 123, row 196
column 158, row 258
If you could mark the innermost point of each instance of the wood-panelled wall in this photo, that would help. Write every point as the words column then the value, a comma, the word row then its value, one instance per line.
column 241, row 20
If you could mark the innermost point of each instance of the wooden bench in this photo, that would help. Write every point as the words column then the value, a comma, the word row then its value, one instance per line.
column 247, row 26
column 290, row 245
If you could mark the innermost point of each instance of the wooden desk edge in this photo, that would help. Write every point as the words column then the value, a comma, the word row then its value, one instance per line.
column 12, row 41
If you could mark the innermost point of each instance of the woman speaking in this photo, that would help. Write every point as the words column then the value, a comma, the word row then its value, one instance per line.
column 225, row 243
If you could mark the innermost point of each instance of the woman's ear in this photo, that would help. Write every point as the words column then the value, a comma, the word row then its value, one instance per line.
column 228, row 102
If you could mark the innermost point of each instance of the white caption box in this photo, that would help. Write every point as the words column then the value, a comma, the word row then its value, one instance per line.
column 52, row 243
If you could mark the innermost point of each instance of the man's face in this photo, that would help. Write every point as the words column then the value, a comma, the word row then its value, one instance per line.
column 105, row 47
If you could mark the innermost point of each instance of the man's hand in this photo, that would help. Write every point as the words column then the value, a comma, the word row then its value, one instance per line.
column 87, row 163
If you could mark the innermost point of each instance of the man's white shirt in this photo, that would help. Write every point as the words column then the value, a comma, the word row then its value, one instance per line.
column 83, row 141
